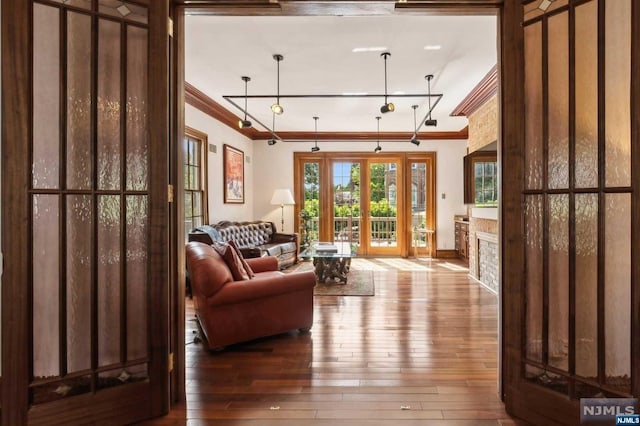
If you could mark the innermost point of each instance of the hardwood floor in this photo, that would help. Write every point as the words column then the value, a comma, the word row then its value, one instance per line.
column 422, row 351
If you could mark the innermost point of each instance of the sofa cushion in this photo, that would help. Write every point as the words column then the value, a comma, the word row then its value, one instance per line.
column 233, row 261
column 288, row 247
column 271, row 249
column 246, row 266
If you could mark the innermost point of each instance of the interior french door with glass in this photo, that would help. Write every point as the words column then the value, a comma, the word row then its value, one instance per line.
column 579, row 284
column 85, row 289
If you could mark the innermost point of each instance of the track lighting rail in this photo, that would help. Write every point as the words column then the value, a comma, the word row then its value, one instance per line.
column 231, row 99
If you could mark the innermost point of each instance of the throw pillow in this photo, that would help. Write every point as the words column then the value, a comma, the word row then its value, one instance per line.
column 247, row 268
column 232, row 260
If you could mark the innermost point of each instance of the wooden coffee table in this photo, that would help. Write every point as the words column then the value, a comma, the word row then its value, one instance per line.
column 331, row 266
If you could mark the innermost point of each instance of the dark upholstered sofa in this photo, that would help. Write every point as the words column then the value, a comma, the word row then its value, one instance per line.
column 254, row 239
column 236, row 311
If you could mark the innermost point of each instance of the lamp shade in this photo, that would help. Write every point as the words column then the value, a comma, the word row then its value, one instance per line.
column 282, row 197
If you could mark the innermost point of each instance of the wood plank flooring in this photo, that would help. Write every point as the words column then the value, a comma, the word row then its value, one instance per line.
column 422, row 351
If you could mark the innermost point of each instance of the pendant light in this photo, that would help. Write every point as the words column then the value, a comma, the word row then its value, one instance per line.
column 273, row 140
column 388, row 106
column 378, row 148
column 245, row 123
column 316, row 148
column 414, row 139
column 430, row 121
column 277, row 108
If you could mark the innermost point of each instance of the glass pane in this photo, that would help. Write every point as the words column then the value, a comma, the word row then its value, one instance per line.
column 194, row 178
column 559, row 281
column 109, row 115
column 78, row 101
column 346, row 202
column 533, row 255
column 188, row 204
column 586, row 285
column 197, row 204
column 191, row 156
column 46, row 96
column 617, row 269
column 618, row 89
column 419, row 195
column 137, row 132
column 79, row 264
column 310, row 213
column 558, row 118
column 46, row 291
column 108, row 279
column 137, row 248
column 533, row 106
column 586, row 81
column 383, row 204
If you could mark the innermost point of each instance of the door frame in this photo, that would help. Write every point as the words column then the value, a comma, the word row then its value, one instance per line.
column 510, row 145
column 115, row 403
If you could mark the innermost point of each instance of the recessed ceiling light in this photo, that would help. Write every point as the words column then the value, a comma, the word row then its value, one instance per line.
column 369, row 49
column 399, row 92
column 432, row 47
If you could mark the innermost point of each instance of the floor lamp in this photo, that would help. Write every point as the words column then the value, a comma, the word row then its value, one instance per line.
column 282, row 197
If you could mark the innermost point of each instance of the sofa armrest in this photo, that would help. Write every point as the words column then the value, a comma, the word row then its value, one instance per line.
column 263, row 264
column 201, row 237
column 284, row 238
column 250, row 252
column 260, row 288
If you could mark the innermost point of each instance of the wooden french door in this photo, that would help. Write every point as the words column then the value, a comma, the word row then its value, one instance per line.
column 84, row 211
column 383, row 224
column 570, row 227
column 370, row 199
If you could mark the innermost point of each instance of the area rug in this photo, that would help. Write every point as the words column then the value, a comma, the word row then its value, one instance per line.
column 359, row 282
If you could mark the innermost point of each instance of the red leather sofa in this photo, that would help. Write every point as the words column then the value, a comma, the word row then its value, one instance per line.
column 236, row 311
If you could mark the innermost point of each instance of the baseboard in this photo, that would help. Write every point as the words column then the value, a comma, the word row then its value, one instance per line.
column 446, row 254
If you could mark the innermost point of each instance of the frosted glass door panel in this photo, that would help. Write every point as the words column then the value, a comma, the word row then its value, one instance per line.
column 586, row 95
column 79, row 139
column 534, row 214
column 533, row 107
column 617, row 93
column 586, row 285
column 558, row 111
column 46, row 286
column 79, row 264
column 137, row 134
column 109, row 106
column 46, row 97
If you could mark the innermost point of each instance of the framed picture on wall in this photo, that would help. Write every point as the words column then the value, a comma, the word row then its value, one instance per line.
column 233, row 169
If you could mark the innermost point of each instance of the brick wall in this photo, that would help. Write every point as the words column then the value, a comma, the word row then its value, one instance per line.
column 488, row 264
column 483, row 125
column 478, row 225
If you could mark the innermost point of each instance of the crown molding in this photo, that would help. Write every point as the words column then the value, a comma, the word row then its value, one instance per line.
column 198, row 99
column 365, row 136
column 480, row 94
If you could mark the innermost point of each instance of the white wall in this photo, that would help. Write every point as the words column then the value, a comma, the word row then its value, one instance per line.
column 220, row 134
column 273, row 169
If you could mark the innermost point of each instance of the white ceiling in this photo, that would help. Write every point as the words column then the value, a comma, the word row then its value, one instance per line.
column 318, row 59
